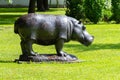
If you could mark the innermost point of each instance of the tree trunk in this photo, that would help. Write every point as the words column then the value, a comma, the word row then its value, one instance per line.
column 57, row 3
column 31, row 8
column 46, row 6
column 42, row 5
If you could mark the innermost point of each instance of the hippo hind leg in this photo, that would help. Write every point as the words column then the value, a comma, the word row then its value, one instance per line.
column 59, row 45
column 26, row 46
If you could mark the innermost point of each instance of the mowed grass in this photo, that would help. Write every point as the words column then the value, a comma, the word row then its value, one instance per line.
column 9, row 15
column 101, row 59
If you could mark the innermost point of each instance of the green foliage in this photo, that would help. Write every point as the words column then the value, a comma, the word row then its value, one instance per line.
column 10, row 1
column 75, row 8
column 106, row 12
column 106, row 15
column 93, row 10
column 107, row 4
column 116, row 10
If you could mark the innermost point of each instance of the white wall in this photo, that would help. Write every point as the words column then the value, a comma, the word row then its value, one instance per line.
column 3, row 2
column 26, row 2
column 61, row 2
column 21, row 2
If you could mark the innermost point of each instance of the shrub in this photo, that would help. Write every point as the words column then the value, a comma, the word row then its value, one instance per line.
column 75, row 8
column 116, row 11
column 106, row 15
column 93, row 10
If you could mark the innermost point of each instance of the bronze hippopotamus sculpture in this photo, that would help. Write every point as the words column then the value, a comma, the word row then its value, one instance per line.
column 49, row 30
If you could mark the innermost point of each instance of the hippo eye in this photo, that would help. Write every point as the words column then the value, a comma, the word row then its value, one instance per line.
column 83, row 28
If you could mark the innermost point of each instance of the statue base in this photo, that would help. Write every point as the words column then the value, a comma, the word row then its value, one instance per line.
column 47, row 58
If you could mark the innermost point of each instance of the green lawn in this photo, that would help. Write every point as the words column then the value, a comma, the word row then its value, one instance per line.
column 9, row 15
column 102, row 58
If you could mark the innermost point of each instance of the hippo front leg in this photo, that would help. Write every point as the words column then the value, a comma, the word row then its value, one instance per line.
column 59, row 45
column 26, row 46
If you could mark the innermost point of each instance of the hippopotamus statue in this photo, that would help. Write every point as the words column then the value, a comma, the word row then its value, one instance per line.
column 49, row 30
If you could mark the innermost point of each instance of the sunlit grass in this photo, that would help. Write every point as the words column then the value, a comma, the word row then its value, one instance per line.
column 101, row 58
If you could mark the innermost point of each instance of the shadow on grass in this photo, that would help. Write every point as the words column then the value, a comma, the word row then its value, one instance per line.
column 8, row 19
column 11, row 10
column 2, row 61
column 83, row 48
column 93, row 46
column 56, row 9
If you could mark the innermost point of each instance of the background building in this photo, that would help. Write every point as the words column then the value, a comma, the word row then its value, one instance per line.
column 25, row 3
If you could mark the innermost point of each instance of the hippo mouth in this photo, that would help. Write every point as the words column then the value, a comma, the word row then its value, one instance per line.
column 87, row 41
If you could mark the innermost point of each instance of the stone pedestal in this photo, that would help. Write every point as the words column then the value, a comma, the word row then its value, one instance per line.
column 47, row 58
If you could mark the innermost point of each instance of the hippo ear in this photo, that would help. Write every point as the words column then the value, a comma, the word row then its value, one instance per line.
column 73, row 20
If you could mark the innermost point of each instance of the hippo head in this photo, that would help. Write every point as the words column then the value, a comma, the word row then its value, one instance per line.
column 80, row 34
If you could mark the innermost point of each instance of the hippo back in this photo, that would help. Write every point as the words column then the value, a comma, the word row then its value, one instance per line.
column 44, row 29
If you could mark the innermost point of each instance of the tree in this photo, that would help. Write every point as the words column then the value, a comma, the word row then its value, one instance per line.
column 10, row 1
column 106, row 12
column 42, row 5
column 93, row 10
column 31, row 8
column 116, row 11
column 75, row 9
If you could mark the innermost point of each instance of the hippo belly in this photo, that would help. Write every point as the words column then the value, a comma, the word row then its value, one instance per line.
column 46, row 34
column 45, row 37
